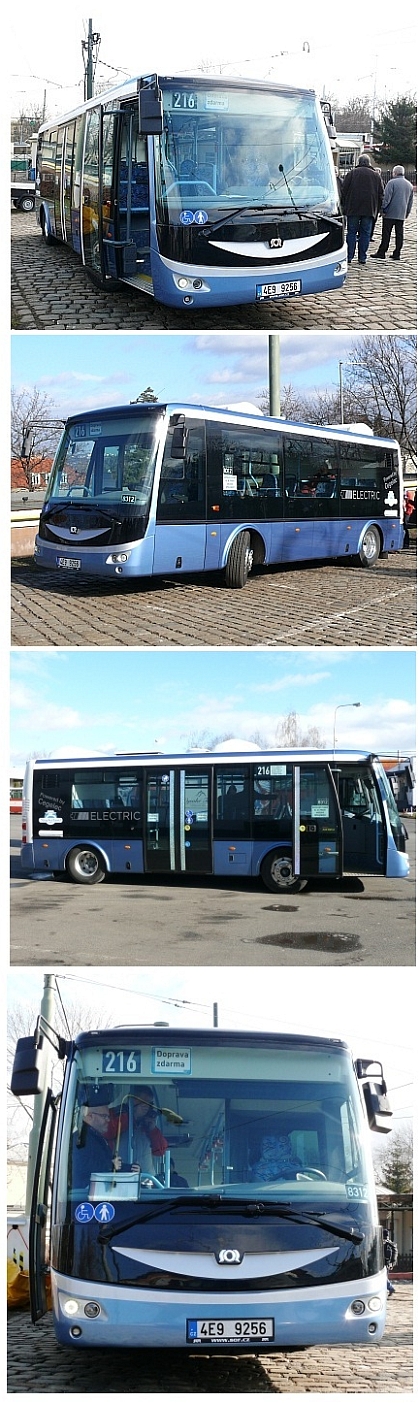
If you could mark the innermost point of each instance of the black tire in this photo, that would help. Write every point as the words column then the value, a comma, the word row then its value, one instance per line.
column 27, row 203
column 239, row 561
column 370, row 547
column 277, row 873
column 47, row 237
column 85, row 865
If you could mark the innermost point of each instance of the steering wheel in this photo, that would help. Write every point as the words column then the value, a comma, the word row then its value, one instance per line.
column 86, row 491
column 309, row 1173
column 181, row 184
column 151, row 1178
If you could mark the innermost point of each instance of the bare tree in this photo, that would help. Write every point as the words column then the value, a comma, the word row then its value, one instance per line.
column 383, row 379
column 31, row 413
column 291, row 736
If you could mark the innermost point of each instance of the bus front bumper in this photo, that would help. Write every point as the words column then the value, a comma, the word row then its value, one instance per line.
column 345, row 1313
column 181, row 285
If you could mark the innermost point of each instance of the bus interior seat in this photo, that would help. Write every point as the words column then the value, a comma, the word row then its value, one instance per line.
column 269, row 486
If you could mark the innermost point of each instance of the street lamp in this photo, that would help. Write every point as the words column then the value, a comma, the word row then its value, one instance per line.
column 340, row 708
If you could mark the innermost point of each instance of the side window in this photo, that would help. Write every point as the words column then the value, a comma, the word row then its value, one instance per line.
column 231, row 801
column 245, row 472
column 272, row 793
column 182, row 482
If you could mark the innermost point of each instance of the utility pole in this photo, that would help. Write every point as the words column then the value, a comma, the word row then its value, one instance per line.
column 274, row 374
column 88, row 45
column 215, row 1016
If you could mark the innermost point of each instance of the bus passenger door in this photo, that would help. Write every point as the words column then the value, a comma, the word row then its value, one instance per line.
column 180, row 532
column 177, row 828
column 317, row 826
column 68, row 180
column 58, row 208
column 128, row 252
column 39, row 1224
column 363, row 823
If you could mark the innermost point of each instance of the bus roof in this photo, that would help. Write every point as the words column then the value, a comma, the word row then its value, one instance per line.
column 156, row 1033
column 128, row 89
column 342, row 431
column 194, row 757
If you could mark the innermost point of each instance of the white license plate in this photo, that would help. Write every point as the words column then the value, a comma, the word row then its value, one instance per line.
column 267, row 290
column 228, row 1332
column 66, row 562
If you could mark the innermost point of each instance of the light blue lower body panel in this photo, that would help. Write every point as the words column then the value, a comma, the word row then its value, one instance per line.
column 50, row 855
column 224, row 287
column 129, row 1317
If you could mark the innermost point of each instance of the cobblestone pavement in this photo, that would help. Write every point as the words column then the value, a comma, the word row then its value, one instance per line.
column 51, row 289
column 333, row 604
column 38, row 1365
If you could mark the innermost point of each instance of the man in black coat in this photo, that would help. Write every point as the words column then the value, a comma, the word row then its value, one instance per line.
column 361, row 199
column 91, row 1152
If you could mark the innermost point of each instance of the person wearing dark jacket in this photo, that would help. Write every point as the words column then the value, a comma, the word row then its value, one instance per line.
column 396, row 206
column 90, row 1150
column 361, row 199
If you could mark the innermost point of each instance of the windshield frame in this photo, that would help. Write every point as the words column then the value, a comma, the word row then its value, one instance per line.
column 116, row 440
column 259, row 188
column 356, row 1192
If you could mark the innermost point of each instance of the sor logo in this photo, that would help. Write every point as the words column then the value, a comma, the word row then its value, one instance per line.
column 229, row 1257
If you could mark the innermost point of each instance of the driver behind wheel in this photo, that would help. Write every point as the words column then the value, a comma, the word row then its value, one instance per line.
column 146, row 1140
column 276, row 1160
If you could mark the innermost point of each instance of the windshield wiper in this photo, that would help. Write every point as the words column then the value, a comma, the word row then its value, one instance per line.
column 250, row 1208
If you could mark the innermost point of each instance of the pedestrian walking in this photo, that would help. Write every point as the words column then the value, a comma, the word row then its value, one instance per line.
column 390, row 1259
column 396, row 205
column 361, row 200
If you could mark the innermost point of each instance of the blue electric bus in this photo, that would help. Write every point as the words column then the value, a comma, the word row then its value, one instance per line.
column 158, row 489
column 287, row 817
column 200, row 191
column 211, row 1190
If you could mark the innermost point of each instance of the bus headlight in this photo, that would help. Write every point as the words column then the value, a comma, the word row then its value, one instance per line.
column 358, row 1307
column 189, row 284
column 119, row 558
column 375, row 1303
column 70, row 1307
column 91, row 1309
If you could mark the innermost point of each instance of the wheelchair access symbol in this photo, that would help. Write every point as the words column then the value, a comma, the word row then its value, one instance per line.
column 84, row 1213
column 104, row 1212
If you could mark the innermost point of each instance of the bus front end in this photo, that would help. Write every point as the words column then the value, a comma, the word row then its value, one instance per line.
column 214, row 1191
column 95, row 519
column 246, row 196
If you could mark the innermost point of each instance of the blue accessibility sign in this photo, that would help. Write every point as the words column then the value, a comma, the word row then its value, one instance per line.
column 84, row 1213
column 104, row 1212
column 200, row 216
column 186, row 216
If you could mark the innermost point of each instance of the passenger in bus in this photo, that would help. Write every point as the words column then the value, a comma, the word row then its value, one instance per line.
column 147, row 1140
column 91, row 1152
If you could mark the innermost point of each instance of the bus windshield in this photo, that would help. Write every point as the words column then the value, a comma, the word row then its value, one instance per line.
column 106, row 460
column 225, row 149
column 283, row 1124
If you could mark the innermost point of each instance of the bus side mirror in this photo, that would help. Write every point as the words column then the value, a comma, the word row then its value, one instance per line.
column 26, row 1079
column 150, row 107
column 378, row 1108
column 179, row 441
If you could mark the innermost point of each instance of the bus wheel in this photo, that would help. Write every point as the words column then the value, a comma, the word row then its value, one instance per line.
column 26, row 203
column 370, row 546
column 48, row 238
column 239, row 561
column 85, row 865
column 277, row 873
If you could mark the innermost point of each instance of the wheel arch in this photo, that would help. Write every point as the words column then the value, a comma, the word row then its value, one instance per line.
column 259, row 545
column 87, row 843
column 366, row 527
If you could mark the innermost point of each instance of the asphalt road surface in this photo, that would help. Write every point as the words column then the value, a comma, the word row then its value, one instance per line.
column 37, row 1364
column 331, row 604
column 210, row 921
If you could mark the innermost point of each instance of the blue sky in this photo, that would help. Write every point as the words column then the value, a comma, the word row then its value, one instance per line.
column 291, row 1000
column 77, row 700
column 84, row 371
column 345, row 58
